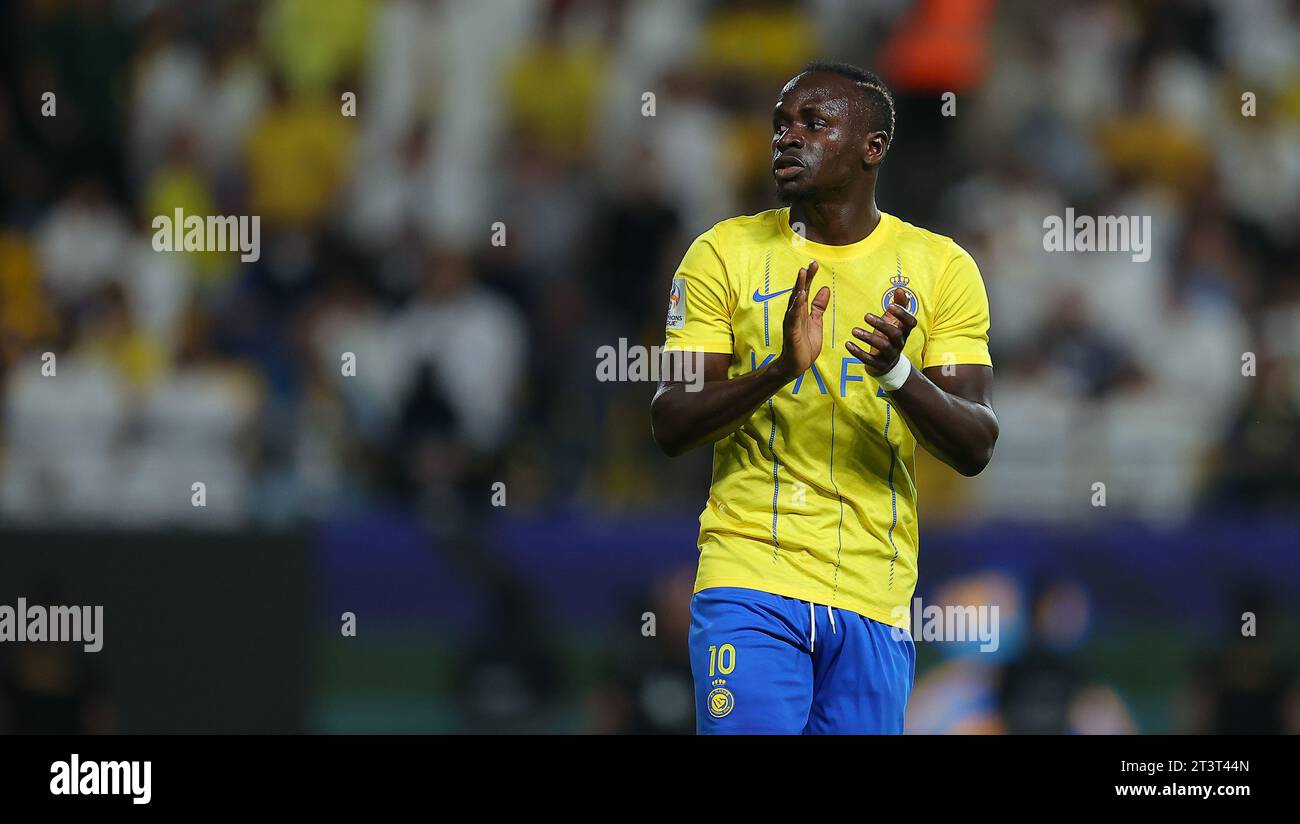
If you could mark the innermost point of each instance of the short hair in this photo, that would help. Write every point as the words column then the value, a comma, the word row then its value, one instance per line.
column 875, row 94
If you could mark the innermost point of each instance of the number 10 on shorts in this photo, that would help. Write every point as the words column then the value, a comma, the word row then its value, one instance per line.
column 722, row 659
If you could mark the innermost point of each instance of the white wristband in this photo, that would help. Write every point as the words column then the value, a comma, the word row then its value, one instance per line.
column 897, row 376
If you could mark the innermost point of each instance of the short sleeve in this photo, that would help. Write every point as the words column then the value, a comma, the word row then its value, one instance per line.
column 959, row 330
column 699, row 303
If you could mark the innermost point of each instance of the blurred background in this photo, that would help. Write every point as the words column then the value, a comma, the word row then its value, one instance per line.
column 596, row 139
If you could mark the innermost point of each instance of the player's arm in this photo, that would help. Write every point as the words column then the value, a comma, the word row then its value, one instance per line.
column 684, row 416
column 949, row 409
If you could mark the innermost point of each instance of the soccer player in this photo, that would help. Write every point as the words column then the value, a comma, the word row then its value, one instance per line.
column 814, row 402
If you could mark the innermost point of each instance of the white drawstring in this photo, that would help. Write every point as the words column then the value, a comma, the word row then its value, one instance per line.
column 812, row 619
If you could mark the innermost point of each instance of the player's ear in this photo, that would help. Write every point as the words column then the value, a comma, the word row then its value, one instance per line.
column 874, row 148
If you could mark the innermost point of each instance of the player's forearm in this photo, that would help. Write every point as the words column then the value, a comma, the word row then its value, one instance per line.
column 957, row 431
column 682, row 420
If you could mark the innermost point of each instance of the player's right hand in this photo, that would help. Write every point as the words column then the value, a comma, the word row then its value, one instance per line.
column 803, row 325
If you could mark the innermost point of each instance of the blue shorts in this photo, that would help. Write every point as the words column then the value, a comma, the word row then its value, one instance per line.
column 765, row 663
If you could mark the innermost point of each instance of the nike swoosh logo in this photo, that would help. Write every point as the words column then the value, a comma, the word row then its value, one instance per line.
column 759, row 298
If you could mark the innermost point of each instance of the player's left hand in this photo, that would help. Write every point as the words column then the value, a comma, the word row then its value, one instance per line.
column 887, row 337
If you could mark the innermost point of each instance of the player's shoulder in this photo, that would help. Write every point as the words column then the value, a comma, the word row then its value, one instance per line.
column 746, row 230
column 940, row 247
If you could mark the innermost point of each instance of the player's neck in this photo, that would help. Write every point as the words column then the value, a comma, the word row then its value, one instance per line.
column 835, row 224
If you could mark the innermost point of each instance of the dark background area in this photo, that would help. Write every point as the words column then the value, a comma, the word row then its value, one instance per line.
column 201, row 632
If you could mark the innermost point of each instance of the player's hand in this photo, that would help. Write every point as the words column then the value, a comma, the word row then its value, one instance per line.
column 886, row 338
column 803, row 325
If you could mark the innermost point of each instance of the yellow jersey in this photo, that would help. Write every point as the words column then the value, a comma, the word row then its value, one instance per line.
column 814, row 497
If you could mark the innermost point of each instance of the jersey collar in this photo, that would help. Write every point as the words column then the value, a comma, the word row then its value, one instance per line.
column 822, row 251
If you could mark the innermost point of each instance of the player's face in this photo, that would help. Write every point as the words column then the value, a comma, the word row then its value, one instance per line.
column 817, row 137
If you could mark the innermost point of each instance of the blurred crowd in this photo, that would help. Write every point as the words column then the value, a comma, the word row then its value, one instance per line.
column 471, row 198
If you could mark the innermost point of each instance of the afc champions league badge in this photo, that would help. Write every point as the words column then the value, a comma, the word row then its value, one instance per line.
column 898, row 281
column 677, row 304
column 720, row 700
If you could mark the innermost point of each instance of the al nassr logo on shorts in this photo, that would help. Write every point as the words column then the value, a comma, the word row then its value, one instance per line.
column 720, row 699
